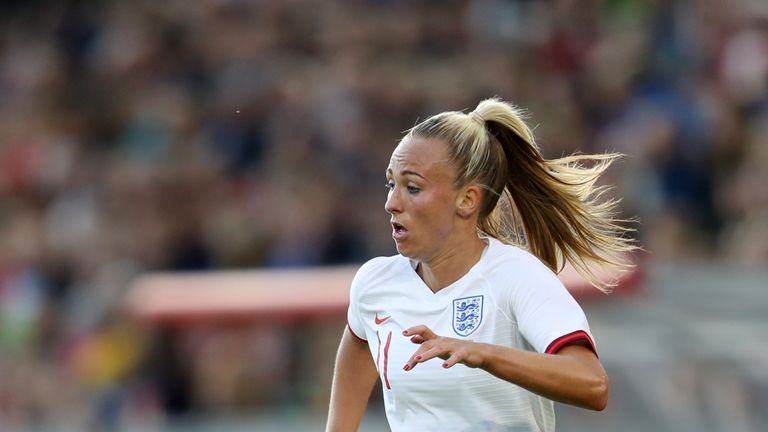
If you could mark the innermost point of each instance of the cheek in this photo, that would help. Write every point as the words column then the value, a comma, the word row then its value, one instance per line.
column 437, row 213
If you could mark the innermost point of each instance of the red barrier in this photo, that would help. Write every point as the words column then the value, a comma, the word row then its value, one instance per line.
column 284, row 293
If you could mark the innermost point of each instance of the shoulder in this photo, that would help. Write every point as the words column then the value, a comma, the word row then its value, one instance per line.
column 518, row 274
column 513, row 261
column 529, row 288
column 380, row 265
column 378, row 270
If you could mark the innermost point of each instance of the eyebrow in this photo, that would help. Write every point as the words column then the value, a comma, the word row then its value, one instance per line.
column 405, row 172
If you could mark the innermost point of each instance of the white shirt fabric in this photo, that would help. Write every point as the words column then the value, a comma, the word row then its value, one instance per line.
column 508, row 298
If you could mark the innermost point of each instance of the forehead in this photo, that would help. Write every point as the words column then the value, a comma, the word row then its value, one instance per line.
column 428, row 157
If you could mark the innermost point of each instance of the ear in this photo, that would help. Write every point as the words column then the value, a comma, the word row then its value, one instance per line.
column 468, row 201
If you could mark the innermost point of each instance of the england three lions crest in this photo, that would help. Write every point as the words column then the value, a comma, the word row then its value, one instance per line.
column 467, row 315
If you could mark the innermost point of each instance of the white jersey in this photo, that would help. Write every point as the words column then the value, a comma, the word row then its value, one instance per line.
column 508, row 298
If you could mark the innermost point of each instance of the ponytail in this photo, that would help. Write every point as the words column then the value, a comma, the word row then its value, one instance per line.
column 551, row 207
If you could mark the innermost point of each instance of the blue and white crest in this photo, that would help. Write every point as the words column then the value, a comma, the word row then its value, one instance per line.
column 467, row 314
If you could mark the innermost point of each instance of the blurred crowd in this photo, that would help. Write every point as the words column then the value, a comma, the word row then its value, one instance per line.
column 177, row 135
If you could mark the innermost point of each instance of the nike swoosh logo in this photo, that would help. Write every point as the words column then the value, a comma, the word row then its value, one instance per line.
column 380, row 321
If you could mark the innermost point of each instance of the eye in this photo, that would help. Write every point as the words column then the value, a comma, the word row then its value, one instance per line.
column 389, row 185
column 413, row 190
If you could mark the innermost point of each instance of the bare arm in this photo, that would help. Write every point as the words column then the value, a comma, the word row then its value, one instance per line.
column 353, row 379
column 574, row 375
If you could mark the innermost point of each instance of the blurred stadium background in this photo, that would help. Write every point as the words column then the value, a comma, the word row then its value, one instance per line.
column 200, row 136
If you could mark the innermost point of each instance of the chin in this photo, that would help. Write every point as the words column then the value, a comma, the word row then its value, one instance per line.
column 404, row 251
column 410, row 253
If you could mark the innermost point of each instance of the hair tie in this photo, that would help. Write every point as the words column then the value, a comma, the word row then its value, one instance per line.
column 476, row 117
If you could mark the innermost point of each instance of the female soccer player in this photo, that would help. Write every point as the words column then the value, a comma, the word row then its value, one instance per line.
column 468, row 327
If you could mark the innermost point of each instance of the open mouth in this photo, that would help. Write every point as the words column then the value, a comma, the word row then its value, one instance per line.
column 398, row 230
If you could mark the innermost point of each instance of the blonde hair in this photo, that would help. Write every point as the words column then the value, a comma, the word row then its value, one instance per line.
column 551, row 207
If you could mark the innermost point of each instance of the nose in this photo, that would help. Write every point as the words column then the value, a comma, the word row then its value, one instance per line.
column 393, row 204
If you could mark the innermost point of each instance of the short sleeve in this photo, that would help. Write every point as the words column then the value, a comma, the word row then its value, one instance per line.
column 547, row 315
column 354, row 319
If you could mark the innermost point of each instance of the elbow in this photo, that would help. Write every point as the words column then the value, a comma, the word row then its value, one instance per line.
column 599, row 395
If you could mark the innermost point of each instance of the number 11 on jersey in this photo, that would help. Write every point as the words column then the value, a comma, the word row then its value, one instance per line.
column 386, row 358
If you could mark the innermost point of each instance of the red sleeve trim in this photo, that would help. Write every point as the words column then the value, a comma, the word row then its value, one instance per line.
column 579, row 336
column 352, row 332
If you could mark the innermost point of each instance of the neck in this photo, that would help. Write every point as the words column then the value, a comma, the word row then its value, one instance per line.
column 448, row 267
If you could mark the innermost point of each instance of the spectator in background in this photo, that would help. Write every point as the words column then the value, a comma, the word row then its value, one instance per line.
column 117, row 119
